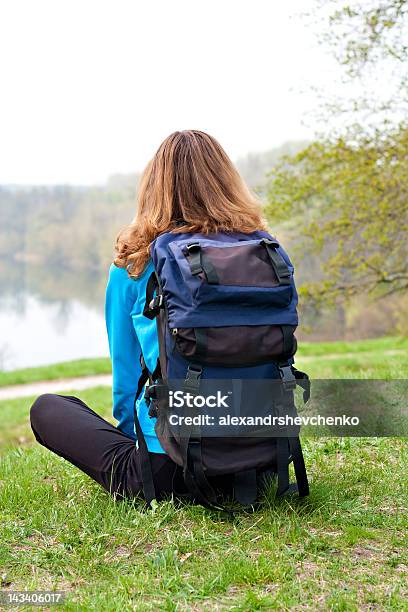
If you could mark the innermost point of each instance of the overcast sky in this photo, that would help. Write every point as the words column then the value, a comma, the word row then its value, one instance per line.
column 91, row 87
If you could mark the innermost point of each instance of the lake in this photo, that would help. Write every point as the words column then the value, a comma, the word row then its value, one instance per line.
column 51, row 313
column 40, row 323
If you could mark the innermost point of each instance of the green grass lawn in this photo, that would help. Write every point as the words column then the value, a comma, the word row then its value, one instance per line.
column 65, row 369
column 344, row 548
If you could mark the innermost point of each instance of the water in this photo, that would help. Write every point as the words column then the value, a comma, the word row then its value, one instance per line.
column 48, row 326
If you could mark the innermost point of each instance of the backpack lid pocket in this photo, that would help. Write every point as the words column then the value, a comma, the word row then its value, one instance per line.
column 251, row 263
column 235, row 282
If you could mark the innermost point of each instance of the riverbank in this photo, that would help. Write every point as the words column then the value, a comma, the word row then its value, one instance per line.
column 377, row 358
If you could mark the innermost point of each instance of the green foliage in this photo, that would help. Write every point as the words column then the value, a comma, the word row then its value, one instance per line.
column 348, row 192
column 366, row 32
column 351, row 202
column 368, row 38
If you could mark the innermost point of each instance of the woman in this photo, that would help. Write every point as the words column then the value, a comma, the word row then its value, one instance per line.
column 190, row 185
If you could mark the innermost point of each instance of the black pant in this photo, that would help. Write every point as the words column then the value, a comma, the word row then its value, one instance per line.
column 68, row 427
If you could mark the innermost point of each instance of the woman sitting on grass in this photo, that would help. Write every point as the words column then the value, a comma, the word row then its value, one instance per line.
column 190, row 185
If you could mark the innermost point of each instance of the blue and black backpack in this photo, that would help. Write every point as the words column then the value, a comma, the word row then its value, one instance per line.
column 225, row 307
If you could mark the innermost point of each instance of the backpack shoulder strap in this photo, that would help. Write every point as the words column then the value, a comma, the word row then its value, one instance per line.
column 145, row 465
column 153, row 303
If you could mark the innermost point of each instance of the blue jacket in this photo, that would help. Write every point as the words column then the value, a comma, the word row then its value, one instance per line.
column 129, row 334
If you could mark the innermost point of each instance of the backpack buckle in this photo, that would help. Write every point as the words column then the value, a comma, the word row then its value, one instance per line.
column 152, row 395
column 193, row 246
column 156, row 303
column 148, row 395
column 194, row 372
column 192, row 380
column 287, row 377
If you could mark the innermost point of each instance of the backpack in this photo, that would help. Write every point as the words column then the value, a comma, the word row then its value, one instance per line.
column 225, row 309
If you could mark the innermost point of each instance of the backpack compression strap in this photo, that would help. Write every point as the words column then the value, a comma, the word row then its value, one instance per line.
column 199, row 263
column 290, row 448
column 190, row 445
column 245, row 483
column 278, row 263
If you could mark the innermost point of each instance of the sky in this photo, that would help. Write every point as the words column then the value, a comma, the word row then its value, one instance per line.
column 90, row 88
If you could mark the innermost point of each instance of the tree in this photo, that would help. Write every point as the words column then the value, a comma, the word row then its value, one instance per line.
column 369, row 39
column 352, row 206
column 349, row 192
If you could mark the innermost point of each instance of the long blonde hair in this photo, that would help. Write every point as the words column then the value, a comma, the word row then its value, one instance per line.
column 190, row 185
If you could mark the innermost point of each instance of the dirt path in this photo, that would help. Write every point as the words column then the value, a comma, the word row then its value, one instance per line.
column 54, row 386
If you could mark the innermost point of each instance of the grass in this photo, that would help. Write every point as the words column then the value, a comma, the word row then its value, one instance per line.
column 65, row 369
column 344, row 548
column 382, row 358
column 376, row 345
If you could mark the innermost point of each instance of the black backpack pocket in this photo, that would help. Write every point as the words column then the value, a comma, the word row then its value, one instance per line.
column 243, row 345
column 241, row 264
